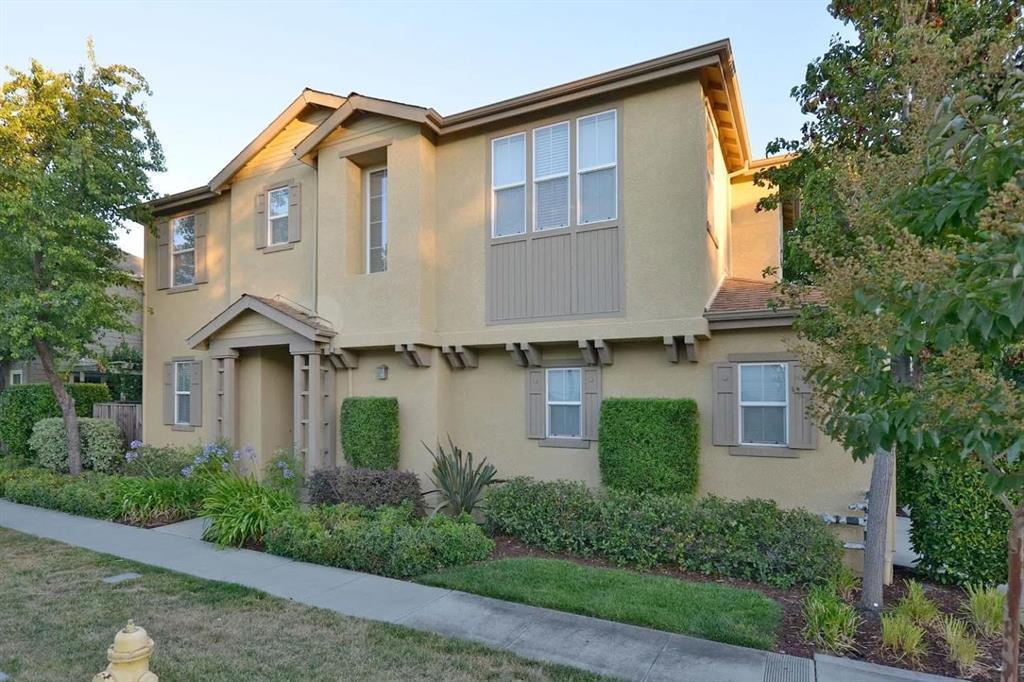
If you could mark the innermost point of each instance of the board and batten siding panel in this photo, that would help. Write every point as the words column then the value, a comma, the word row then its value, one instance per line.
column 507, row 286
column 598, row 271
column 550, row 276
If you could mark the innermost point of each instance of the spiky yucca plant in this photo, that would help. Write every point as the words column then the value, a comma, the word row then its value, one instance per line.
column 460, row 484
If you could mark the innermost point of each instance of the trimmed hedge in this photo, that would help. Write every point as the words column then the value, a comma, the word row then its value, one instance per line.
column 91, row 494
column 102, row 444
column 369, row 432
column 370, row 488
column 959, row 526
column 22, row 406
column 389, row 541
column 649, row 445
column 749, row 539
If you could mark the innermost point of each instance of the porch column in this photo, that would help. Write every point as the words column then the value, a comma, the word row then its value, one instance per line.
column 225, row 425
column 308, row 408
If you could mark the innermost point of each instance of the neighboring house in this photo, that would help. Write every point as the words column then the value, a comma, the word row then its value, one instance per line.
column 87, row 369
column 500, row 271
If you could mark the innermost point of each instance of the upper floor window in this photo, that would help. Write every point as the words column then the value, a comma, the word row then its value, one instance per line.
column 183, row 250
column 183, row 393
column 508, row 185
column 764, row 403
column 564, row 403
column 17, row 377
column 551, row 176
column 277, row 216
column 597, row 167
column 376, row 220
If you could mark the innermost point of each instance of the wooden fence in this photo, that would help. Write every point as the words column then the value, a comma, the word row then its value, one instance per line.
column 128, row 416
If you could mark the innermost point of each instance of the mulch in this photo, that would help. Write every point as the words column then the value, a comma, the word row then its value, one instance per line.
column 950, row 600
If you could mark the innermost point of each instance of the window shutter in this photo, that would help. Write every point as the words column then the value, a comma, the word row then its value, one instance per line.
column 168, row 393
column 536, row 424
column 163, row 255
column 201, row 273
column 261, row 220
column 294, row 212
column 803, row 433
column 196, row 397
column 725, row 405
column 591, row 402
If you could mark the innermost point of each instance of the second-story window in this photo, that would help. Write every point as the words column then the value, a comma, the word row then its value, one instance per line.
column 376, row 220
column 183, row 251
column 551, row 176
column 597, row 167
column 277, row 216
column 508, row 185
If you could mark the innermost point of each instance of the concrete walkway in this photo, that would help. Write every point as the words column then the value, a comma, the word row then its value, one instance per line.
column 604, row 647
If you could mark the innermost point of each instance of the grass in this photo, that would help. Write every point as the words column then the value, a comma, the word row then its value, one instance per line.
column 58, row 619
column 710, row 611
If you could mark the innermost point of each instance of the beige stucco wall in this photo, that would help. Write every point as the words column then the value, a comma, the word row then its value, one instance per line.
column 757, row 235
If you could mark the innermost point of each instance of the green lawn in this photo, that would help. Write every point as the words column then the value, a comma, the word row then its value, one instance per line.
column 710, row 611
column 57, row 619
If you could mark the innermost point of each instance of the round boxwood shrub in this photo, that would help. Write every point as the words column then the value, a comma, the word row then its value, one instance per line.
column 369, row 432
column 22, row 406
column 102, row 444
column 649, row 445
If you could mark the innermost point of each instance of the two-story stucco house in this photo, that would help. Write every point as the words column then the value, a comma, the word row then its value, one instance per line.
column 500, row 271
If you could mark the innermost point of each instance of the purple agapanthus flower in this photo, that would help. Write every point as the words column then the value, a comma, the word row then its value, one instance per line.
column 135, row 444
column 186, row 472
column 249, row 452
column 225, row 466
column 131, row 456
column 287, row 473
column 236, row 455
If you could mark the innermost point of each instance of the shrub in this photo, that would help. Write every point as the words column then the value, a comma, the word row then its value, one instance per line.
column 902, row 637
column 369, row 432
column 388, row 541
column 985, row 606
column 961, row 646
column 284, row 472
column 101, row 440
column 459, row 485
column 240, row 509
column 830, row 623
column 148, row 501
column 22, row 406
column 152, row 460
column 370, row 488
column 216, row 458
column 916, row 606
column 649, row 445
column 845, row 583
column 91, row 494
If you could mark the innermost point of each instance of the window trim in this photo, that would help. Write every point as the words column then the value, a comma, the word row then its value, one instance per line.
column 175, row 251
column 270, row 215
column 176, row 392
column 20, row 373
column 367, row 172
column 548, row 403
column 535, row 180
column 496, row 188
column 580, row 171
column 761, row 403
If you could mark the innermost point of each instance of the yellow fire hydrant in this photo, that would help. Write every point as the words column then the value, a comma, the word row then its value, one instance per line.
column 129, row 657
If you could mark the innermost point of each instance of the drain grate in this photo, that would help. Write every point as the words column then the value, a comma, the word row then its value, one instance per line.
column 784, row 668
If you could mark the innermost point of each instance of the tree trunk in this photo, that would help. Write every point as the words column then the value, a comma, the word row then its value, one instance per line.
column 1011, row 621
column 876, row 535
column 67, row 406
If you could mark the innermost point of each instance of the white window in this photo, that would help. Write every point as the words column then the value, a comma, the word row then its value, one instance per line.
column 565, row 403
column 183, row 393
column 764, row 405
column 508, row 185
column 277, row 216
column 551, row 176
column 376, row 181
column 183, row 251
column 17, row 377
column 597, row 168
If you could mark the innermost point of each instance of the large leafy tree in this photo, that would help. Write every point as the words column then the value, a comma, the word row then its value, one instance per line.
column 75, row 151
column 918, row 246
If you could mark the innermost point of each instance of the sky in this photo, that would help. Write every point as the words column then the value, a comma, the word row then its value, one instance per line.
column 221, row 71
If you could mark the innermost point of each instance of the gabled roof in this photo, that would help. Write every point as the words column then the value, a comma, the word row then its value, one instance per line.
column 288, row 316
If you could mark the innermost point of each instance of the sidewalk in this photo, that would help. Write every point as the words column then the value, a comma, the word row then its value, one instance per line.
column 604, row 647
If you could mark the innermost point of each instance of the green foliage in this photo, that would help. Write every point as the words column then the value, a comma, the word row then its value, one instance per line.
column 845, row 583
column 369, row 432
column 916, row 606
column 831, row 624
column 22, row 406
column 123, row 365
column 102, row 444
column 459, row 485
column 961, row 645
column 649, row 445
column 157, row 461
column 370, row 488
column 284, row 472
column 240, row 509
column 749, row 539
column 150, row 501
column 91, row 494
column 985, row 607
column 902, row 637
column 388, row 541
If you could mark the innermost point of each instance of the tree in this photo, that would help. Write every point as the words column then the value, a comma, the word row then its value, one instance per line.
column 75, row 150
column 917, row 346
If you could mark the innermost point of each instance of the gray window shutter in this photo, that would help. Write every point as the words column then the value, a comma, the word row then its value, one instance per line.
column 803, row 434
column 168, row 393
column 536, row 423
column 261, row 220
column 294, row 212
column 196, row 397
column 201, row 273
column 163, row 255
column 725, row 405
column 591, row 402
